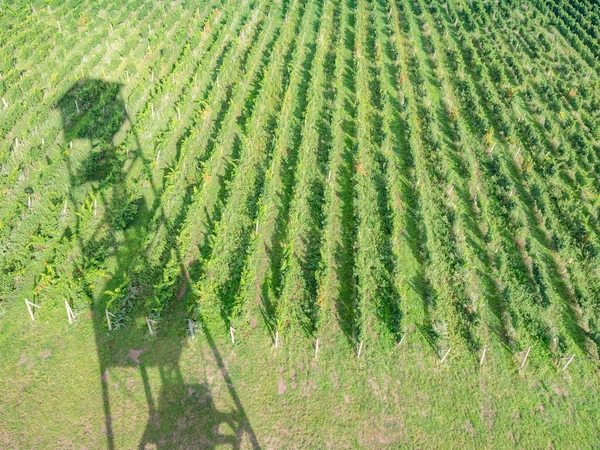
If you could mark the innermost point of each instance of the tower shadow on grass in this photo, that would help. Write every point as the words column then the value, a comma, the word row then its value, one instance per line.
column 184, row 415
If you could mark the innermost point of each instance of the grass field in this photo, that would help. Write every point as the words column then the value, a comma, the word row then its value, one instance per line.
column 379, row 217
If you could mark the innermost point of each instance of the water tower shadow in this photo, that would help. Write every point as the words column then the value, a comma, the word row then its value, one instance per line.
column 184, row 415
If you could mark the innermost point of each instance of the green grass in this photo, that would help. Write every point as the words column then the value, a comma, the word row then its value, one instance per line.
column 209, row 392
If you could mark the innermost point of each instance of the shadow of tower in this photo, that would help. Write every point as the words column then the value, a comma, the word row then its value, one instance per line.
column 184, row 416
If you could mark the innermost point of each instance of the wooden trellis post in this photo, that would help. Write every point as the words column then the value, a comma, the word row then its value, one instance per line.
column 29, row 305
column 276, row 339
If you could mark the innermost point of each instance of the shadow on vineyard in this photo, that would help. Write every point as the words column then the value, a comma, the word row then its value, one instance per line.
column 184, row 414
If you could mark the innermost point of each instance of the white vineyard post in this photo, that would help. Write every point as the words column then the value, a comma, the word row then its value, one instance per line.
column 445, row 355
column 359, row 349
column 568, row 362
column 525, row 359
column 191, row 327
column 231, row 331
column 401, row 339
column 316, row 347
column 29, row 305
column 151, row 322
column 276, row 339
column 29, row 309
column 483, row 355
column 108, row 316
column 70, row 314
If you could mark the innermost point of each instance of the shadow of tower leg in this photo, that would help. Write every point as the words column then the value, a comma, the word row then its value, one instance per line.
column 110, row 444
column 93, row 110
column 244, row 422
